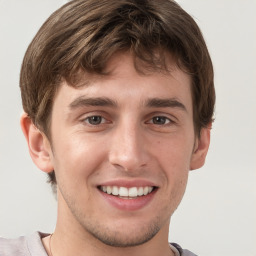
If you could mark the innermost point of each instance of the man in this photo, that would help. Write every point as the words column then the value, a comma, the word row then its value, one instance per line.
column 118, row 101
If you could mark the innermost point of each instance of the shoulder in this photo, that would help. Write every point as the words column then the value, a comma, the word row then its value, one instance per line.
column 10, row 247
column 22, row 246
column 179, row 251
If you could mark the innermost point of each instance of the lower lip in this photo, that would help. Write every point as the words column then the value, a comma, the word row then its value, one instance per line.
column 129, row 204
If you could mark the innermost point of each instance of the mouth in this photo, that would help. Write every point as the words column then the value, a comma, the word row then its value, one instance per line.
column 127, row 193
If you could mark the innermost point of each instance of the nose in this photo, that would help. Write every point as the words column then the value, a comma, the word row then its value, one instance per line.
column 128, row 150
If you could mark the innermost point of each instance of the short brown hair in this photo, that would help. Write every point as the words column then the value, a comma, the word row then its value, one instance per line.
column 84, row 34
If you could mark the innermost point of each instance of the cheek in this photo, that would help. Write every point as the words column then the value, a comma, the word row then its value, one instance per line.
column 174, row 158
column 76, row 159
column 175, row 162
column 175, row 154
column 177, row 192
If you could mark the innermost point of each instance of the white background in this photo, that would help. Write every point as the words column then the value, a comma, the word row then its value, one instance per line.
column 218, row 213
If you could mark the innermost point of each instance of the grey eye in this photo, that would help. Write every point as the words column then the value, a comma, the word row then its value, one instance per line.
column 94, row 120
column 160, row 120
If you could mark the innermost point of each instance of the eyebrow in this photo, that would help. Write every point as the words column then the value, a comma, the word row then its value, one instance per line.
column 98, row 101
column 165, row 103
column 83, row 101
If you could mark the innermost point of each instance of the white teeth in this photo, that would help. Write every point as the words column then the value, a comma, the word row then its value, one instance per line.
column 140, row 191
column 109, row 190
column 133, row 192
column 115, row 191
column 145, row 191
column 123, row 191
column 127, row 192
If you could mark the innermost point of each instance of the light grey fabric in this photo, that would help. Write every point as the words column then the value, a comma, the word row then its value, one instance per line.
column 23, row 246
column 187, row 253
column 32, row 246
column 178, row 251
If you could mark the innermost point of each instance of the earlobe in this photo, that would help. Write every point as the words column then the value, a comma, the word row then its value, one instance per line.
column 201, row 149
column 38, row 144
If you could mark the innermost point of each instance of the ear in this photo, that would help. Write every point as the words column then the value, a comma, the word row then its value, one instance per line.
column 38, row 144
column 201, row 148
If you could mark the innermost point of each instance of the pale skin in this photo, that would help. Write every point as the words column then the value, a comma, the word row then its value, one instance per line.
column 125, row 130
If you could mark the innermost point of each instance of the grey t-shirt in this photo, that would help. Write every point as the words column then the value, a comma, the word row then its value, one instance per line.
column 32, row 246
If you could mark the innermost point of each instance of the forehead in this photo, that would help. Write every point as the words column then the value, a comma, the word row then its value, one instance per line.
column 123, row 80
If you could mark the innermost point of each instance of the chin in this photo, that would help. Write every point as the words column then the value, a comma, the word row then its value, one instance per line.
column 121, row 239
column 123, row 236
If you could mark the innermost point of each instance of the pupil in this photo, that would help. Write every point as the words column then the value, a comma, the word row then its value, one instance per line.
column 159, row 120
column 95, row 120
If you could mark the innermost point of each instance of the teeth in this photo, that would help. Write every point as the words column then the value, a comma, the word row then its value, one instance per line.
column 115, row 191
column 145, row 191
column 133, row 192
column 126, row 192
column 109, row 190
column 140, row 191
column 123, row 191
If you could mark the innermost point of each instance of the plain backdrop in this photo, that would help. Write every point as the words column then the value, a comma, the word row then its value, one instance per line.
column 218, row 213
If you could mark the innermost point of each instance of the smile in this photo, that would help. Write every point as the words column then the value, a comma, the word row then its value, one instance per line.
column 127, row 193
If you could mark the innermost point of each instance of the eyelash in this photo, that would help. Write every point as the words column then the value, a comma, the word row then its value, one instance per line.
column 89, row 118
column 165, row 120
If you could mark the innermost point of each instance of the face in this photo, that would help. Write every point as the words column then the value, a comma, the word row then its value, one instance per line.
column 121, row 148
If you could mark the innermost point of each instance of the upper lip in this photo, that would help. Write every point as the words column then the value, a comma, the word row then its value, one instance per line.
column 129, row 183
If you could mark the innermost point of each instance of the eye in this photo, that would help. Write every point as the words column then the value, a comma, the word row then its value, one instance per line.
column 160, row 120
column 95, row 120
